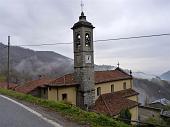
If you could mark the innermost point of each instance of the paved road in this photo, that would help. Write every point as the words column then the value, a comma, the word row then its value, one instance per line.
column 13, row 115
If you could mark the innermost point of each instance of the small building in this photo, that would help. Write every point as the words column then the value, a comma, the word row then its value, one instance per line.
column 33, row 87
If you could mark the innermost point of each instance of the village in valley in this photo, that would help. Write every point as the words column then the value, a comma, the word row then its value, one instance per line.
column 115, row 91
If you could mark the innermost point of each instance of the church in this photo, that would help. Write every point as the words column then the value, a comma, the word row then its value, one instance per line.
column 107, row 92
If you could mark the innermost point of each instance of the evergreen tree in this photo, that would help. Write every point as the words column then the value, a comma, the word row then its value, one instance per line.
column 125, row 116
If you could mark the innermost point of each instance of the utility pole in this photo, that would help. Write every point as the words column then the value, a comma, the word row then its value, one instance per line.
column 8, row 77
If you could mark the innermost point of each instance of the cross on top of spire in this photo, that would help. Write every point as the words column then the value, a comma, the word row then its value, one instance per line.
column 82, row 5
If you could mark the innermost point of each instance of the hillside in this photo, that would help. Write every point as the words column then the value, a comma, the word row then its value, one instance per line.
column 26, row 63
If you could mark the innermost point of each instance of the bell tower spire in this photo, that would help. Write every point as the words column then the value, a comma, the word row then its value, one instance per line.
column 84, row 61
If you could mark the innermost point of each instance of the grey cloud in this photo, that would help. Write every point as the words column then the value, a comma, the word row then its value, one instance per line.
column 49, row 21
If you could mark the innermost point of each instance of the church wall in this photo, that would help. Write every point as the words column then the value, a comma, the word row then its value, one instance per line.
column 56, row 94
column 106, row 87
column 118, row 85
column 134, row 113
column 71, row 94
column 133, row 98
column 52, row 94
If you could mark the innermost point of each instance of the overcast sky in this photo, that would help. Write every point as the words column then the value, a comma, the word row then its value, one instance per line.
column 49, row 21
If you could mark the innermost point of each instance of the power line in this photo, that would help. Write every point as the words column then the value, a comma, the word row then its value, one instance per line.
column 134, row 37
column 105, row 40
column 45, row 44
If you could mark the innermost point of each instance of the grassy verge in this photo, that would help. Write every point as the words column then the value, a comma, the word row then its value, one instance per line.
column 72, row 112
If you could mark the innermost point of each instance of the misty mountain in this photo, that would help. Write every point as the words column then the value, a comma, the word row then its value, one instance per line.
column 33, row 63
column 150, row 90
column 166, row 76
column 142, row 75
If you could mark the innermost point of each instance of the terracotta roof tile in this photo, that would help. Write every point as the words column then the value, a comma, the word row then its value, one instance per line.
column 106, row 76
column 4, row 85
column 112, row 103
column 32, row 85
column 66, row 80
column 126, row 93
column 100, row 77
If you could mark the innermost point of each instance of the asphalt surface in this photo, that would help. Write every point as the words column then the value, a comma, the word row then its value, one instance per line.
column 13, row 115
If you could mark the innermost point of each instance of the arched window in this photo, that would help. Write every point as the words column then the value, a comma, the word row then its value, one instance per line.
column 98, row 91
column 78, row 37
column 112, row 88
column 124, row 85
column 87, row 39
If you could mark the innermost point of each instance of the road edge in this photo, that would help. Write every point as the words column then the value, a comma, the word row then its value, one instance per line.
column 32, row 111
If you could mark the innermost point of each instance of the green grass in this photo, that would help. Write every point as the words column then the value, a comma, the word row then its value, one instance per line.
column 72, row 112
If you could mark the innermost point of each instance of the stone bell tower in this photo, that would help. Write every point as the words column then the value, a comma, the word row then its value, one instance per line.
column 84, row 61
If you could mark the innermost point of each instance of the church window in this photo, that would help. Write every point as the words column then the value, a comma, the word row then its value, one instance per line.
column 124, row 85
column 112, row 88
column 78, row 37
column 64, row 97
column 98, row 91
column 87, row 39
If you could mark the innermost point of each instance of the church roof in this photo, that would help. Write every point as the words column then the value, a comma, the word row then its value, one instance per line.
column 100, row 77
column 112, row 103
column 69, row 80
column 32, row 85
column 82, row 22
